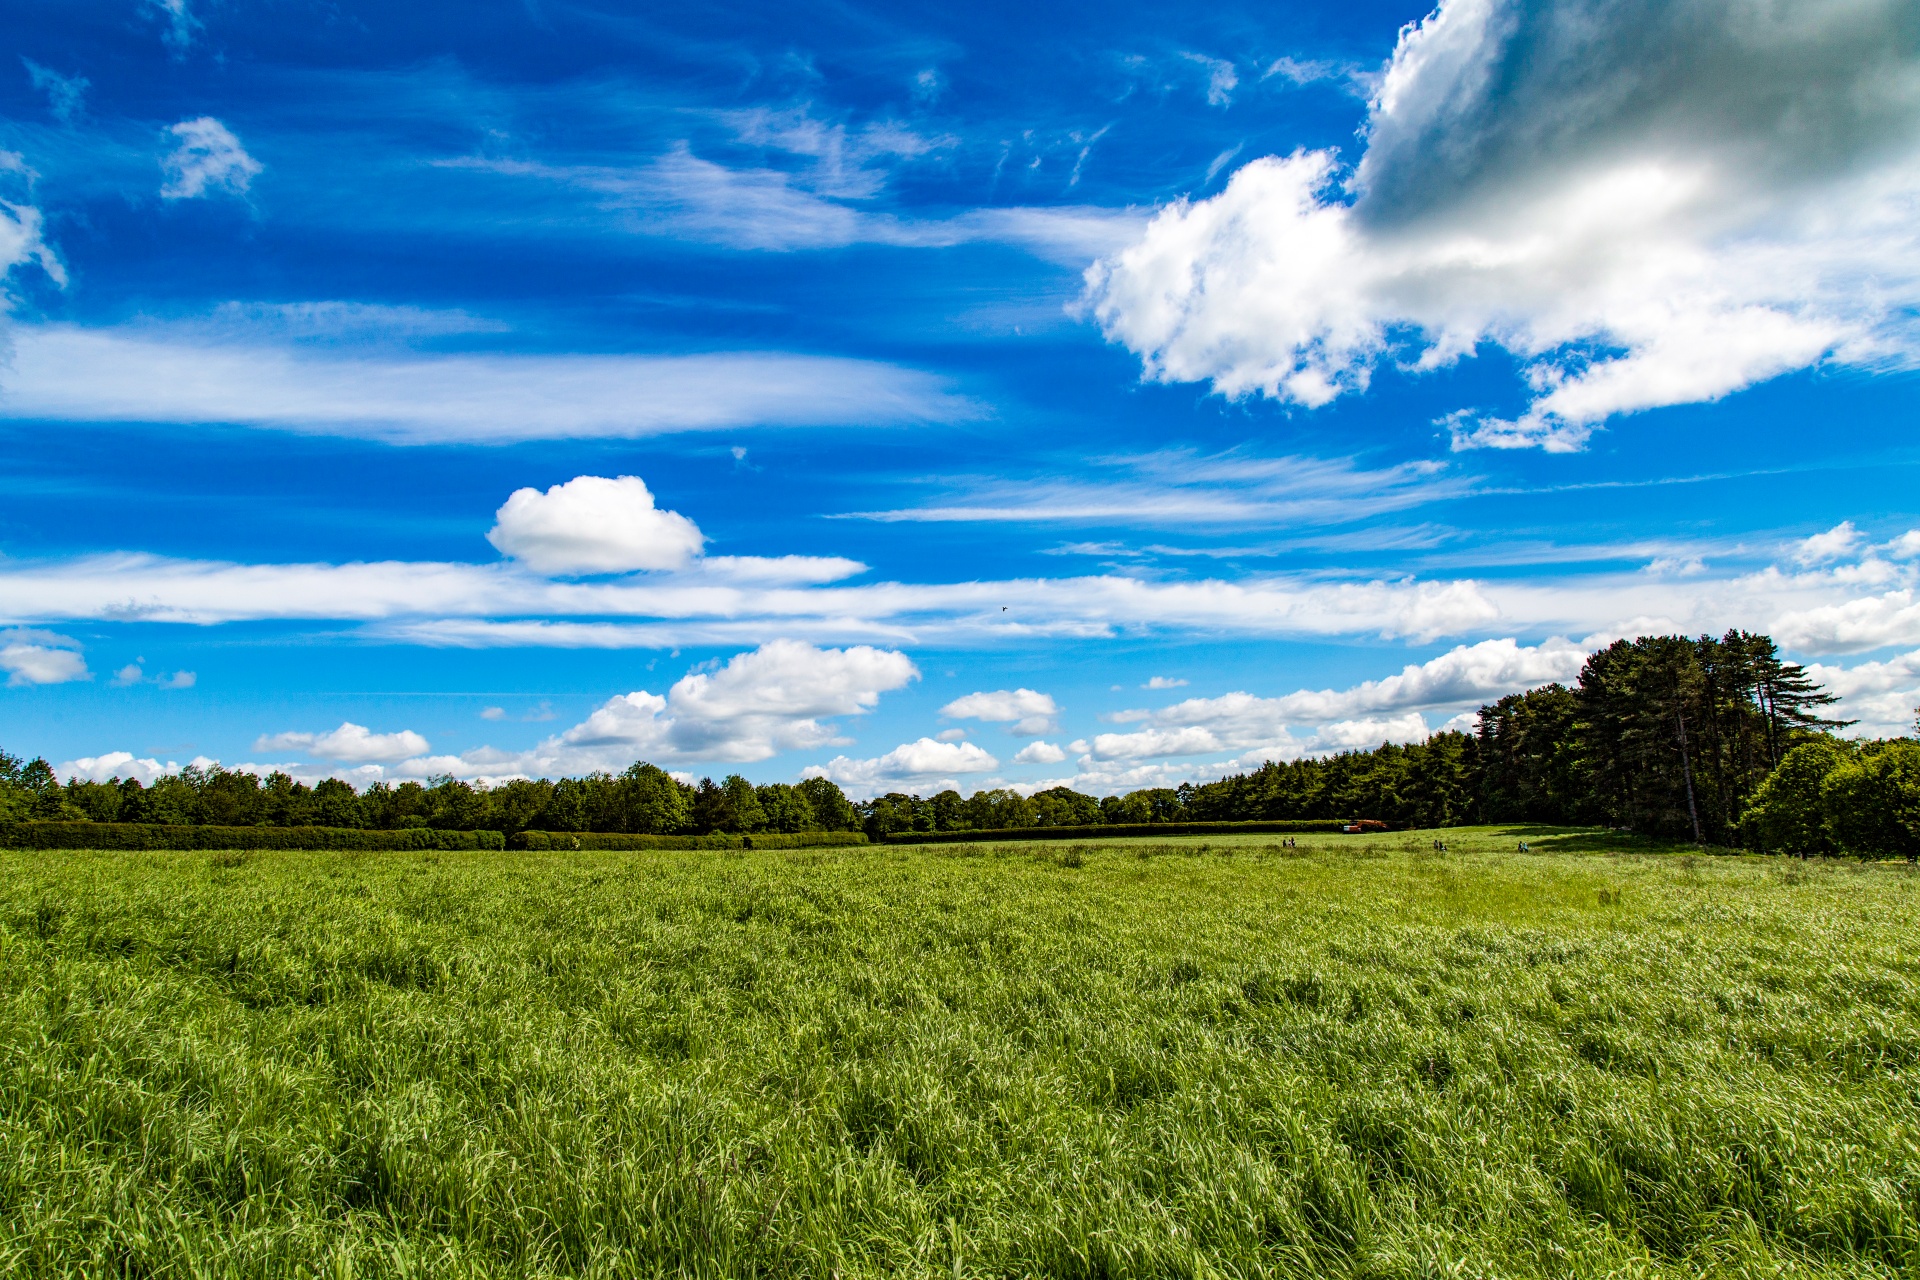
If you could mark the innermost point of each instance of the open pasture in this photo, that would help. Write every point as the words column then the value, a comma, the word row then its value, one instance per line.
column 1192, row 1057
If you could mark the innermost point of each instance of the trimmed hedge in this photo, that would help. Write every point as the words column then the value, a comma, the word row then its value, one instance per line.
column 606, row 840
column 1107, row 832
column 139, row 835
column 136, row 835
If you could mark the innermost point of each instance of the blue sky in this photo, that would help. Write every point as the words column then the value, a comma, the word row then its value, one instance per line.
column 935, row 395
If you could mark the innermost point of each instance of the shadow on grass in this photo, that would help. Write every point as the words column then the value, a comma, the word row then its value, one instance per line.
column 1547, row 839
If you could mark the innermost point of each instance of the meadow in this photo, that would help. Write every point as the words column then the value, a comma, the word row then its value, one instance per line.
column 1184, row 1057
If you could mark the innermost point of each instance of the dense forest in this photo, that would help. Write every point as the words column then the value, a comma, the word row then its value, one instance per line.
column 1718, row 741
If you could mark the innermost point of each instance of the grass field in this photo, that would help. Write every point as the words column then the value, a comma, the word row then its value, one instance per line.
column 1204, row 1057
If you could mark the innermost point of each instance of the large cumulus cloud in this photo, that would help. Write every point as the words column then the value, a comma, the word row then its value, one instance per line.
column 1647, row 202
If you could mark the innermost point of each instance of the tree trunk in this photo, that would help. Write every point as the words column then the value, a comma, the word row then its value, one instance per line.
column 1686, row 771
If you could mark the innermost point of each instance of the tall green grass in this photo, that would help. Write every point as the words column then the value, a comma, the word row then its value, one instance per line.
column 1175, row 1058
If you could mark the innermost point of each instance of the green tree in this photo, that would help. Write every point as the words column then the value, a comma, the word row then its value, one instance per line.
column 1872, row 801
column 1064, row 807
column 830, row 806
column 1787, row 814
column 651, row 802
column 785, row 808
column 1529, row 758
column 335, row 804
column 517, row 805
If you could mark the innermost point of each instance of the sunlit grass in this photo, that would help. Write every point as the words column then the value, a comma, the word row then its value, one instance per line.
column 1199, row 1056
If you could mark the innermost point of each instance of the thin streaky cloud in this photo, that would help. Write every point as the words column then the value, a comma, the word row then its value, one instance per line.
column 72, row 374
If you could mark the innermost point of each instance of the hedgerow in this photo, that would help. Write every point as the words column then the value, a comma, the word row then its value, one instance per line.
column 1112, row 830
column 141, row 835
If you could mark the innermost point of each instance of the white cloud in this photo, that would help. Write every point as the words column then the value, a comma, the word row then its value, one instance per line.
column 592, row 524
column 349, row 744
column 1854, row 626
column 118, row 764
column 760, row 703
column 1676, row 566
column 1645, row 206
column 771, row 699
column 66, row 95
column 1164, row 682
column 20, row 229
column 779, row 210
column 951, row 735
column 1840, row 541
column 1363, row 713
column 926, row 764
column 1025, row 712
column 156, row 374
column 1040, row 753
column 1848, row 606
column 1883, row 696
column 1301, row 72
column 1222, row 78
column 208, row 161
column 1180, row 487
column 1904, row 547
column 41, row 657
column 180, row 23
column 132, row 674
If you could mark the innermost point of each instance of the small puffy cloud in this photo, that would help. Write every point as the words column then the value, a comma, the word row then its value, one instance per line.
column 132, row 674
column 349, row 744
column 1645, row 205
column 209, row 160
column 593, row 524
column 65, row 94
column 1841, row 540
column 1026, row 713
column 41, row 657
column 1040, row 753
column 1164, row 682
column 950, row 735
column 917, row 763
column 1675, row 567
column 1904, row 547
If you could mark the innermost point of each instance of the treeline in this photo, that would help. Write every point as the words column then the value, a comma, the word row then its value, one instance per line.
column 643, row 800
column 1668, row 736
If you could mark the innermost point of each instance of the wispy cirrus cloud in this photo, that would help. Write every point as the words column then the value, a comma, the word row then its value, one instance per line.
column 151, row 374
column 1183, row 487
column 686, row 196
